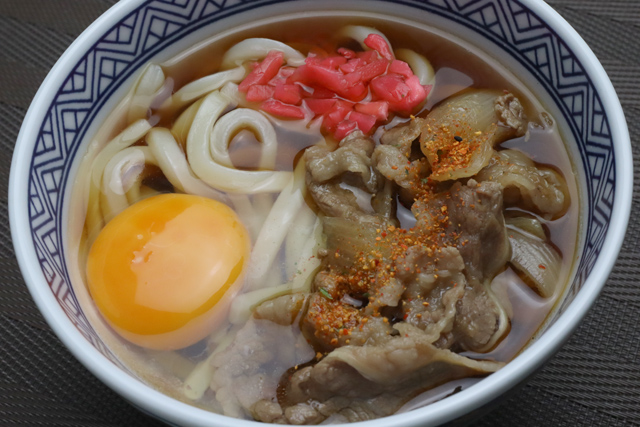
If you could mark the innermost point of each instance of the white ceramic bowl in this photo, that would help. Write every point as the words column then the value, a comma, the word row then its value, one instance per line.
column 527, row 36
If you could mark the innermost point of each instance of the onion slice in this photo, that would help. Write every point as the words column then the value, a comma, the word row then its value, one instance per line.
column 258, row 48
column 360, row 32
column 420, row 65
column 537, row 260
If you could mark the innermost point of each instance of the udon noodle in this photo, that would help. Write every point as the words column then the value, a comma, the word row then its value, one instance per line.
column 406, row 244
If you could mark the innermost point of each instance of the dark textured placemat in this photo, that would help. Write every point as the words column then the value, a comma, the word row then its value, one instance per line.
column 593, row 380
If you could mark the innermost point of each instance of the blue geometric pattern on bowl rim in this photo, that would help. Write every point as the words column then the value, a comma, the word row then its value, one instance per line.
column 158, row 23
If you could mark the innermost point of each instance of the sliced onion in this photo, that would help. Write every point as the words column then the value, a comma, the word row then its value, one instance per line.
column 378, row 364
column 471, row 118
column 529, row 225
column 350, row 239
column 420, row 65
column 231, row 90
column 537, row 260
column 258, row 48
column 503, row 319
column 360, row 32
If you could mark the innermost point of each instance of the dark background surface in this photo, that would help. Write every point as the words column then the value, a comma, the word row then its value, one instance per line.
column 593, row 381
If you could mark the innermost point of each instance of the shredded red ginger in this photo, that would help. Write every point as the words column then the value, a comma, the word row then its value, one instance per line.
column 334, row 87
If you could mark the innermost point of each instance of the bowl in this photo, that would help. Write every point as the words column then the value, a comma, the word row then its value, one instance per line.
column 526, row 36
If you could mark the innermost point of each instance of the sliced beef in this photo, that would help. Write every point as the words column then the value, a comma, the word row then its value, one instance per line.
column 474, row 224
column 344, row 184
column 394, row 159
column 336, row 201
column 353, row 155
column 360, row 378
column 475, row 213
column 459, row 134
column 331, row 322
column 539, row 189
column 389, row 307
column 472, row 220
column 341, row 410
column 480, row 319
column 403, row 136
column 249, row 370
column 282, row 310
column 394, row 165
column 435, row 282
column 511, row 114
column 268, row 411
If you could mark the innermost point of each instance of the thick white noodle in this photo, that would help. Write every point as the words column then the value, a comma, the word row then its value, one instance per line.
column 138, row 191
column 299, row 233
column 175, row 167
column 252, row 216
column 124, row 139
column 275, row 228
column 147, row 88
column 173, row 362
column 233, row 122
column 274, row 276
column 247, row 213
column 223, row 133
column 198, row 380
column 219, row 176
column 244, row 304
column 181, row 126
column 262, row 202
column 198, row 88
column 309, row 261
column 420, row 65
column 232, row 91
column 120, row 176
column 86, row 215
column 257, row 48
column 360, row 32
column 262, row 205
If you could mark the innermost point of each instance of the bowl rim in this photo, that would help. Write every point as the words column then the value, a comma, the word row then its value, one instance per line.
column 154, row 402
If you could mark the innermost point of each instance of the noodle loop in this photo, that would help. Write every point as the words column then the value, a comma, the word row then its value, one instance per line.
column 220, row 176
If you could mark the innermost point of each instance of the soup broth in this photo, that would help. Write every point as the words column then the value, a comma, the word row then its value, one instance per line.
column 339, row 245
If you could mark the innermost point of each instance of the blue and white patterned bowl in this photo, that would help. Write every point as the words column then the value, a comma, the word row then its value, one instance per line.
column 525, row 35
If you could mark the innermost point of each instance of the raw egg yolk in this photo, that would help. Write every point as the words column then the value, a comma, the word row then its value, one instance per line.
column 164, row 270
